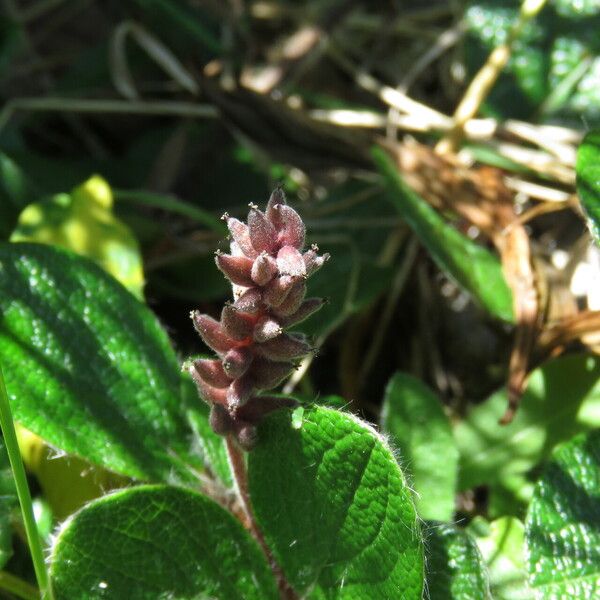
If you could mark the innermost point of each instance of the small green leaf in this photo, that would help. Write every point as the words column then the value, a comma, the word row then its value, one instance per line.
column 415, row 420
column 15, row 193
column 335, row 509
column 563, row 523
column 502, row 545
column 588, row 180
column 87, row 366
column 158, row 542
column 561, row 399
column 455, row 569
column 83, row 221
column 473, row 267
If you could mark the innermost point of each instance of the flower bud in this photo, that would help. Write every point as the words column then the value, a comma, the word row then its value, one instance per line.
column 237, row 361
column 289, row 225
column 212, row 372
column 247, row 436
column 290, row 262
column 210, row 394
column 278, row 289
column 262, row 233
column 266, row 374
column 249, row 302
column 313, row 261
column 266, row 329
column 286, row 347
column 241, row 236
column 238, row 393
column 236, row 324
column 212, row 333
column 293, row 300
column 307, row 308
column 237, row 269
column 277, row 197
column 264, row 269
column 219, row 420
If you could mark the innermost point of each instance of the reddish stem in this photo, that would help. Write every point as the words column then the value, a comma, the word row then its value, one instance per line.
column 240, row 476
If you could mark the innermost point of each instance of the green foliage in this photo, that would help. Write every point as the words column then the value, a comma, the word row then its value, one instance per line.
column 87, row 366
column 8, row 503
column 413, row 417
column 15, row 193
column 588, row 180
column 473, row 267
column 209, row 446
column 563, row 523
column 561, row 399
column 501, row 544
column 554, row 65
column 334, row 507
column 158, row 542
column 83, row 221
column 455, row 570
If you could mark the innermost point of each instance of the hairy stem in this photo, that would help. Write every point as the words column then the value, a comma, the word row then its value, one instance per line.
column 240, row 476
column 18, row 470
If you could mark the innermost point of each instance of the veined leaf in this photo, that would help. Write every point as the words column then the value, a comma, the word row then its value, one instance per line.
column 158, row 542
column 455, row 569
column 502, row 545
column 87, row 366
column 415, row 420
column 561, row 399
column 588, row 180
column 563, row 523
column 334, row 507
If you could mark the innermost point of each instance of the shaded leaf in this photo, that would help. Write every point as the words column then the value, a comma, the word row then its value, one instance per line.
column 473, row 267
column 83, row 221
column 157, row 542
column 563, row 523
column 16, row 192
column 455, row 569
column 87, row 366
column 413, row 417
column 502, row 545
column 588, row 180
column 561, row 399
column 334, row 507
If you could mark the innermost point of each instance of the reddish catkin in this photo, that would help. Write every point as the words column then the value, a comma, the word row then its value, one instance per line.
column 268, row 270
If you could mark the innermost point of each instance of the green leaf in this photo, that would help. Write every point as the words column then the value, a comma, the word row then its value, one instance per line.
column 473, row 267
column 413, row 417
column 15, row 193
column 562, row 398
column 554, row 64
column 83, row 221
column 334, row 507
column 588, row 180
column 158, row 542
column 455, row 570
column 563, row 523
column 8, row 502
column 501, row 544
column 87, row 366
